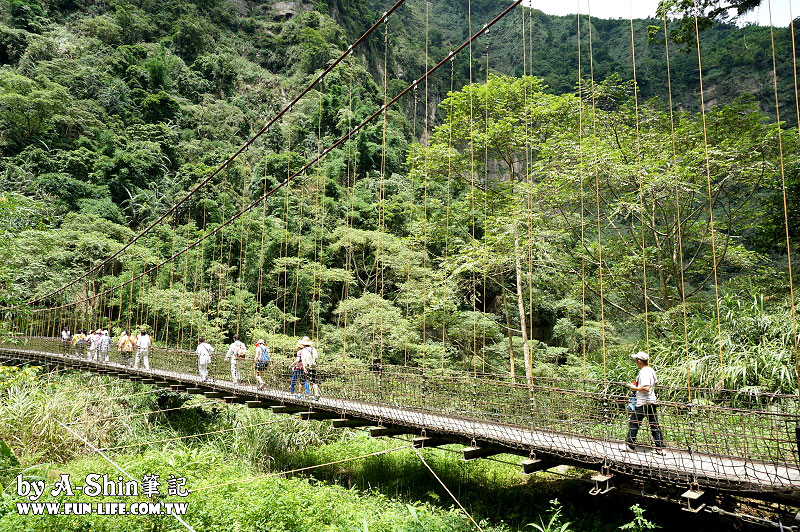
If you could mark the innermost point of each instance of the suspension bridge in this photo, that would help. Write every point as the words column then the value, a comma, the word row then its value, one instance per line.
column 740, row 443
column 728, row 441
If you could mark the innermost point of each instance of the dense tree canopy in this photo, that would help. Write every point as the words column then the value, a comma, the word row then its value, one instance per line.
column 474, row 245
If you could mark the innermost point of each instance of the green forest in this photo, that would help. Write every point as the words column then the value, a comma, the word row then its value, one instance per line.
column 530, row 209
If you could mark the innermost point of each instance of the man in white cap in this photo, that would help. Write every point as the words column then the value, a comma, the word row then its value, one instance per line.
column 644, row 386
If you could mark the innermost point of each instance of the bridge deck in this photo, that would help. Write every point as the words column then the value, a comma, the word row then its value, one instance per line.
column 676, row 466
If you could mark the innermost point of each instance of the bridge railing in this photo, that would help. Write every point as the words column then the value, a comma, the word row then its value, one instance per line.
column 567, row 413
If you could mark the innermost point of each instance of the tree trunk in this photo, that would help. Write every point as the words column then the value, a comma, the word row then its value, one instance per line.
column 521, row 304
column 508, row 328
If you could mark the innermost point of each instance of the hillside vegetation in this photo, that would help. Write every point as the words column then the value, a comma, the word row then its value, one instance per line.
column 112, row 112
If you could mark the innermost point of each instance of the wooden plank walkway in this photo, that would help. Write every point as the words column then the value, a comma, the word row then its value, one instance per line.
column 679, row 467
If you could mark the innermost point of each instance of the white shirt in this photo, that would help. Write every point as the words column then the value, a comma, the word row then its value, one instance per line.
column 308, row 355
column 204, row 351
column 93, row 341
column 104, row 342
column 143, row 342
column 647, row 377
column 233, row 349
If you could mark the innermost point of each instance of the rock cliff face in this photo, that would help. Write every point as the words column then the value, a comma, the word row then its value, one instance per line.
column 282, row 10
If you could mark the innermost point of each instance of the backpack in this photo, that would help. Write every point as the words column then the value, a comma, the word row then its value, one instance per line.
column 241, row 352
column 79, row 341
column 312, row 356
column 263, row 356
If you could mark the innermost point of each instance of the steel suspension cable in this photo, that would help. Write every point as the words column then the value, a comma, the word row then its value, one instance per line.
column 298, row 470
column 224, row 270
column 194, row 293
column 597, row 203
column 786, row 210
column 200, row 267
column 582, row 199
column 473, row 294
column 710, row 197
column 260, row 285
column 187, row 436
column 640, row 178
column 117, row 466
column 382, row 190
column 137, row 414
column 411, row 213
column 595, row 163
column 426, row 145
column 679, row 222
column 181, row 316
column 298, row 267
column 351, row 188
column 156, row 287
column 485, row 261
column 319, row 210
column 419, row 455
column 244, row 242
column 169, row 291
column 447, row 200
column 285, row 244
column 527, row 116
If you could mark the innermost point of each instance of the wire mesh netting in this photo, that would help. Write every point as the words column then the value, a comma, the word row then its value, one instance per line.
column 723, row 438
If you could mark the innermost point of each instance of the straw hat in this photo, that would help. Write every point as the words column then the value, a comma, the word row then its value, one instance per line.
column 305, row 342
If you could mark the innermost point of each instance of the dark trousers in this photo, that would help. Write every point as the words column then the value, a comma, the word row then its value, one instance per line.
column 640, row 412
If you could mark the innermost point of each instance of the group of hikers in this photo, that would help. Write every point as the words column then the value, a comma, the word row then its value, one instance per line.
column 97, row 345
column 303, row 368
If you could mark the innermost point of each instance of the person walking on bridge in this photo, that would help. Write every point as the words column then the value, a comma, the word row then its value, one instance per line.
column 645, row 406
column 125, row 348
column 66, row 338
column 308, row 356
column 143, row 344
column 297, row 371
column 204, row 351
column 79, row 342
column 104, row 345
column 261, row 362
column 237, row 351
column 91, row 345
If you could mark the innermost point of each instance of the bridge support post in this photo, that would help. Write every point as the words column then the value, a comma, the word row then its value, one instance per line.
column 287, row 409
column 430, row 441
column 343, row 422
column 380, row 431
column 602, row 482
column 306, row 416
column 474, row 452
column 532, row 465
column 693, row 494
